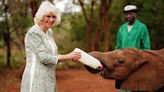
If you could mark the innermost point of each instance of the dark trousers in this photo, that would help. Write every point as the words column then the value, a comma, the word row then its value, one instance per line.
column 118, row 84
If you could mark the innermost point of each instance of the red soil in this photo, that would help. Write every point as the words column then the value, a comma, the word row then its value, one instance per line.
column 68, row 80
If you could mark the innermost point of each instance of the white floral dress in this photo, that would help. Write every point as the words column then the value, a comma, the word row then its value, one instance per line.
column 41, row 58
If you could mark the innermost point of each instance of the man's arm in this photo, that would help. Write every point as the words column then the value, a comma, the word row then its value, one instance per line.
column 146, row 39
column 119, row 40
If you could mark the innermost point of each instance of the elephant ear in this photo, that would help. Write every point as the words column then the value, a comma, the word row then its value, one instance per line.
column 144, row 76
column 139, row 61
column 137, row 58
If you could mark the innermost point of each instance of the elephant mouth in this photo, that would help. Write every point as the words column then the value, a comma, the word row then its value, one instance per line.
column 106, row 74
column 112, row 74
column 99, row 69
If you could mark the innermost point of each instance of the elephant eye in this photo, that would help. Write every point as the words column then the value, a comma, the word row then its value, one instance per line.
column 120, row 61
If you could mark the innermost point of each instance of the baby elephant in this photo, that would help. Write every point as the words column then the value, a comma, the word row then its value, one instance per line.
column 140, row 70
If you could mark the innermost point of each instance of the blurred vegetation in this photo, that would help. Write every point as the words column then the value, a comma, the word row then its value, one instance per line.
column 17, row 58
column 71, row 33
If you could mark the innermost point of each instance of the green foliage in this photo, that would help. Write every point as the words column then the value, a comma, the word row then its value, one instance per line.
column 2, row 28
column 17, row 59
column 151, row 13
column 78, row 30
column 71, row 33
column 116, row 7
column 2, row 61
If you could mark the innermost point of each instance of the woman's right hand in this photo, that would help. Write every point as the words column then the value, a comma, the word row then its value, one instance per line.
column 74, row 56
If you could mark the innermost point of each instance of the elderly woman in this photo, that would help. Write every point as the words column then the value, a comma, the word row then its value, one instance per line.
column 41, row 52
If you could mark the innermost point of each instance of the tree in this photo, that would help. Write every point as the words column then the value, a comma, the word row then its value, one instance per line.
column 33, row 6
column 88, row 21
column 6, row 32
column 103, row 20
column 102, row 23
column 15, row 21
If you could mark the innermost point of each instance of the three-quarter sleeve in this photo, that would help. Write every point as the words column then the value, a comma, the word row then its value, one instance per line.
column 38, row 47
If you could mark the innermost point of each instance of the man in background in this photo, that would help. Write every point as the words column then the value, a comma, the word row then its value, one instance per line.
column 132, row 34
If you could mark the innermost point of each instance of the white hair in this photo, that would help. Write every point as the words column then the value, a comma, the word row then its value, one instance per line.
column 44, row 8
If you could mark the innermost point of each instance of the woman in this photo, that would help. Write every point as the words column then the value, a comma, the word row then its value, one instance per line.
column 41, row 52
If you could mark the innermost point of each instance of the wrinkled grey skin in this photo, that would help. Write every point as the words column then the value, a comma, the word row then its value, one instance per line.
column 140, row 70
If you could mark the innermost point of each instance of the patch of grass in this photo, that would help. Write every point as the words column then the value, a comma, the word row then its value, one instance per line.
column 2, row 59
column 16, row 59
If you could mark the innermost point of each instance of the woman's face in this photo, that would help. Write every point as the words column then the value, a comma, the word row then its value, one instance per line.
column 48, row 20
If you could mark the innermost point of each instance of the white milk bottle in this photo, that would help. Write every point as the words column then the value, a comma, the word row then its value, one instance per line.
column 88, row 60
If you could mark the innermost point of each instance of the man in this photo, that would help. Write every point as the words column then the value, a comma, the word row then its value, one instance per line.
column 132, row 34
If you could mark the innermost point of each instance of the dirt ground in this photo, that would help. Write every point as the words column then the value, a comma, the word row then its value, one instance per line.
column 68, row 80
